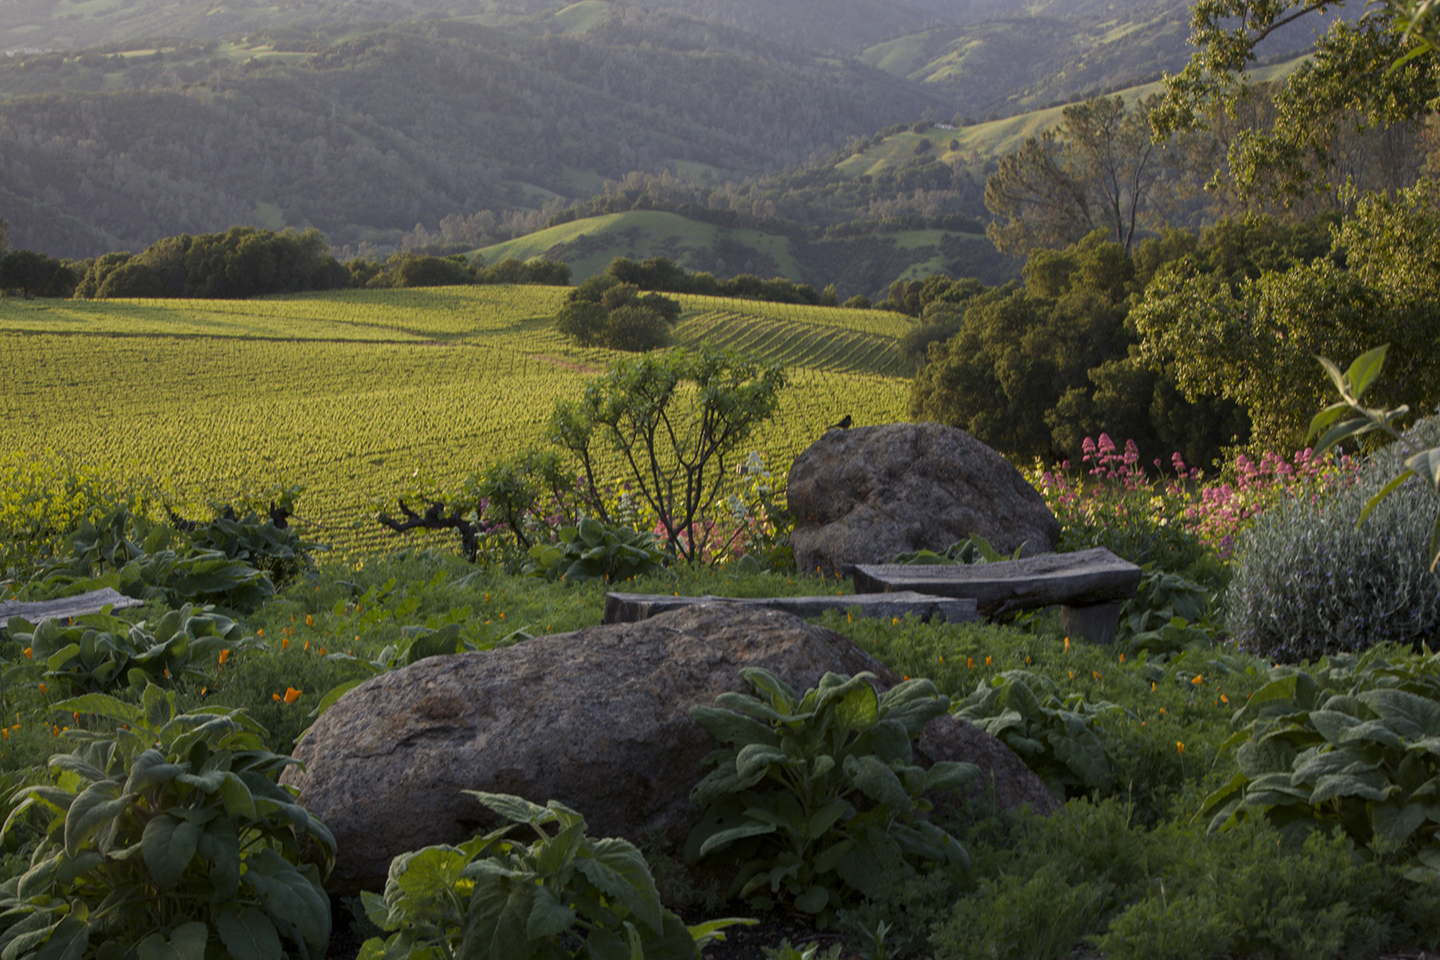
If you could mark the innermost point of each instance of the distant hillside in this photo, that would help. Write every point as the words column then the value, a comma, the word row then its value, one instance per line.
column 1056, row 50
column 862, row 264
column 364, row 136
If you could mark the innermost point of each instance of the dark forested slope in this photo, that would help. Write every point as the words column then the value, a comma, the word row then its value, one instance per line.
column 365, row 137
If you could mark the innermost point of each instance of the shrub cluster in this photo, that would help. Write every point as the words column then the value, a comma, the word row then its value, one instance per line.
column 1310, row 582
column 667, row 276
column 607, row 312
column 422, row 270
column 241, row 262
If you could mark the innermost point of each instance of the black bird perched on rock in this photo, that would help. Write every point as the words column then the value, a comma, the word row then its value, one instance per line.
column 843, row 424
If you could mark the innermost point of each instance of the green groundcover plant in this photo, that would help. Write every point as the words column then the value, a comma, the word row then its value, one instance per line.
column 815, row 796
column 563, row 896
column 1054, row 735
column 166, row 838
column 1352, row 743
column 99, row 653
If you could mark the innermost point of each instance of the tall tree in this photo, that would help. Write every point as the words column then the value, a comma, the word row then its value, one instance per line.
column 1352, row 85
column 1097, row 170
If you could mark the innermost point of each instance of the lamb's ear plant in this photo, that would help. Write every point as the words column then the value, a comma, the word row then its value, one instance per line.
column 1353, row 743
column 816, row 796
column 166, row 837
column 1054, row 736
column 593, row 550
column 98, row 653
column 563, row 896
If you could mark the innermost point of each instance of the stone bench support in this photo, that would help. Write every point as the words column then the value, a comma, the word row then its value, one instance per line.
column 1090, row 585
column 632, row 607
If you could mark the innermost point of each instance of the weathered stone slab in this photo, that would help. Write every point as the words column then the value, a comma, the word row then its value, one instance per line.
column 93, row 601
column 634, row 607
column 1090, row 584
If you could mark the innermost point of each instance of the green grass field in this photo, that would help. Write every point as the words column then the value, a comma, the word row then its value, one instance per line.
column 362, row 396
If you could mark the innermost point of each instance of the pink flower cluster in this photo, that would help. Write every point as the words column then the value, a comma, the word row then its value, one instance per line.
column 1112, row 488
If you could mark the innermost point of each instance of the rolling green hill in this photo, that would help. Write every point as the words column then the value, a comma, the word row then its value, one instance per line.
column 860, row 264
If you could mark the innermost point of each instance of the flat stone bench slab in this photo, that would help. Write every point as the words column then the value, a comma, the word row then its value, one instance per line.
column 1089, row 584
column 93, row 601
column 632, row 607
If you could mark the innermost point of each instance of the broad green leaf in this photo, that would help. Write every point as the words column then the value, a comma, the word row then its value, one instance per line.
column 813, row 900
column 712, row 931
column 151, row 768
column 619, row 870
column 168, row 846
column 730, row 727
column 70, row 941
column 513, row 808
column 101, row 705
column 860, row 708
column 548, row 916
column 830, row 857
column 1364, row 369
column 950, row 775
column 781, row 695
column 878, row 782
column 823, row 819
column 248, row 934
column 757, row 757
column 1411, row 716
column 1395, row 822
column 91, row 811
column 291, row 896
column 1348, row 785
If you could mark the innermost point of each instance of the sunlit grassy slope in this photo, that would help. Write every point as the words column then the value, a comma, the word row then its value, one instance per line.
column 362, row 396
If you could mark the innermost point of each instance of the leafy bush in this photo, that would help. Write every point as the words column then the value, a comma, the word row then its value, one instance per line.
column 1309, row 583
column 167, row 836
column 43, row 500
column 97, row 653
column 1092, row 877
column 816, row 795
column 563, row 896
column 1354, row 744
column 1168, row 614
column 1054, row 736
column 592, row 550
column 222, row 562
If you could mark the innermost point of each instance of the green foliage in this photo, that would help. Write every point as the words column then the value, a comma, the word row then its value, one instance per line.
column 98, row 653
column 1033, row 371
column 167, row 836
column 607, row 312
column 973, row 549
column 1252, row 340
column 152, row 561
column 565, row 895
column 43, row 500
column 1360, row 420
column 1091, row 877
column 816, row 795
column 1349, row 744
column 1169, row 614
column 1310, row 581
column 35, row 274
column 1055, row 737
column 673, row 420
column 593, row 550
column 241, row 262
column 1098, row 170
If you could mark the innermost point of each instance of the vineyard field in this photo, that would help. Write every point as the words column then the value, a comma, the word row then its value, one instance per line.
column 360, row 397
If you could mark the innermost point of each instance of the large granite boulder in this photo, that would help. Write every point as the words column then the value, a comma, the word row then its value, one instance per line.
column 596, row 719
column 864, row 495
